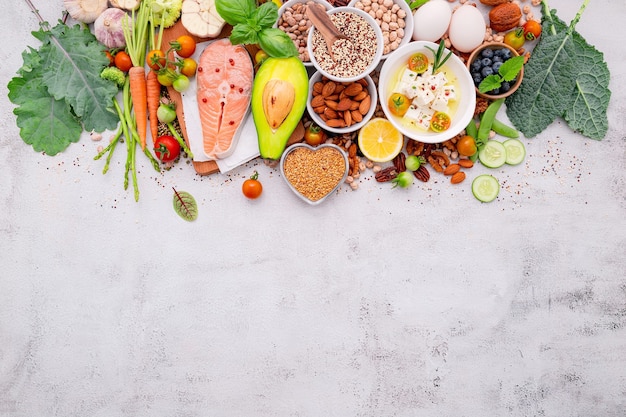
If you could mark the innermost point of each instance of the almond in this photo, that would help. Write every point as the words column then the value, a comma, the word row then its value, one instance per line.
column 317, row 101
column 357, row 116
column 344, row 104
column 320, row 109
column 364, row 107
column 318, row 87
column 353, row 89
column 458, row 177
column 336, row 123
column 329, row 89
column 361, row 95
column 452, row 169
column 355, row 105
column 331, row 104
column 330, row 113
column 504, row 17
column 466, row 163
column 347, row 117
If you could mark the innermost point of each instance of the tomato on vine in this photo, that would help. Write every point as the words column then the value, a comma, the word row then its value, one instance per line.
column 184, row 46
column 188, row 67
column 252, row 187
column 156, row 59
column 532, row 30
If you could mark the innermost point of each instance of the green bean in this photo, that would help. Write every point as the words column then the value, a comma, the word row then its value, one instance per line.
column 503, row 129
column 471, row 129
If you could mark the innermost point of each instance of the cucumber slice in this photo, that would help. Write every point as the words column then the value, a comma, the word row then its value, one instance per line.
column 515, row 151
column 485, row 188
column 493, row 154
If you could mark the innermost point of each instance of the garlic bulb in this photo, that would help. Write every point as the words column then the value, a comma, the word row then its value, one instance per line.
column 86, row 11
column 108, row 28
column 125, row 4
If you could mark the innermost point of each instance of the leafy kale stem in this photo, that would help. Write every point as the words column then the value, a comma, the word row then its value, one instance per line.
column 547, row 15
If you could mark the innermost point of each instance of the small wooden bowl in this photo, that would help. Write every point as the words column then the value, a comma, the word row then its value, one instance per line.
column 496, row 45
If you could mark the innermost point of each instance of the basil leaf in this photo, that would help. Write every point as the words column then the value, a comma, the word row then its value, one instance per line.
column 235, row 11
column 277, row 43
column 266, row 15
column 244, row 34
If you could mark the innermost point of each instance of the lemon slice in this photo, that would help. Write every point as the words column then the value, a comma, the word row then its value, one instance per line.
column 380, row 141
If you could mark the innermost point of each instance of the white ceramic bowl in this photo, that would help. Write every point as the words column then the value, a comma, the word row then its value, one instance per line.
column 465, row 92
column 291, row 3
column 371, row 88
column 379, row 46
column 295, row 146
column 408, row 21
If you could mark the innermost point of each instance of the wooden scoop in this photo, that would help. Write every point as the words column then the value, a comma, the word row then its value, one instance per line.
column 319, row 17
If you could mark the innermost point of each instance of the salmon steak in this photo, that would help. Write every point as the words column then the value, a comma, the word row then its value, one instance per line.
column 225, row 75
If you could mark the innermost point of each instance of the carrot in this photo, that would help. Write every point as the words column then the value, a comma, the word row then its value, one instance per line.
column 153, row 95
column 138, row 94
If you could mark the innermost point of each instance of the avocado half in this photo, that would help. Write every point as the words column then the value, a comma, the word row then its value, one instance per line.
column 279, row 95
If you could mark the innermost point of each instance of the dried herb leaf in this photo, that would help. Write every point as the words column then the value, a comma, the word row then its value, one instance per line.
column 185, row 205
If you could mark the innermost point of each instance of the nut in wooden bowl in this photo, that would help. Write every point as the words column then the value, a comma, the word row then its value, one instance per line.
column 314, row 173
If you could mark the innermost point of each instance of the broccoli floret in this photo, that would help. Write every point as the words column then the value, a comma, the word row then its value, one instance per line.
column 114, row 74
column 165, row 12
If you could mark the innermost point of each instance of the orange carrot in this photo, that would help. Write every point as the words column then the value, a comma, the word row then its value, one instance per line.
column 138, row 94
column 153, row 95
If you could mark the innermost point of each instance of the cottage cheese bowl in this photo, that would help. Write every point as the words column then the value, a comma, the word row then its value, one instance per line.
column 394, row 18
column 354, row 57
column 316, row 112
column 314, row 173
column 293, row 21
column 449, row 91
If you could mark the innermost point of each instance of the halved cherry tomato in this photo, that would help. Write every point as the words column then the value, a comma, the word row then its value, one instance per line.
column 184, row 46
column 156, row 59
column 532, row 30
column 466, row 146
column 122, row 61
column 188, row 67
column 252, row 187
column 418, row 62
column 110, row 58
column 314, row 135
column 398, row 104
column 440, row 122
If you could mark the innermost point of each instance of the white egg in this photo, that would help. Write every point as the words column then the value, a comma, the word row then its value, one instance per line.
column 467, row 28
column 431, row 21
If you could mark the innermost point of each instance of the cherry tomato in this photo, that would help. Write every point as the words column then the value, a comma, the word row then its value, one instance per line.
column 166, row 148
column 418, row 62
column 532, row 30
column 184, row 46
column 166, row 77
column 156, row 59
column 260, row 56
column 515, row 38
column 440, row 122
column 122, row 61
column 188, row 67
column 314, row 135
column 252, row 187
column 181, row 83
column 466, row 146
column 166, row 113
column 398, row 104
column 110, row 58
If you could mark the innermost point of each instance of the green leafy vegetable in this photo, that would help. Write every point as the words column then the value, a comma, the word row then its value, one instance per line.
column 416, row 4
column 185, row 205
column 565, row 77
column 59, row 87
column 507, row 72
column 252, row 25
column 440, row 59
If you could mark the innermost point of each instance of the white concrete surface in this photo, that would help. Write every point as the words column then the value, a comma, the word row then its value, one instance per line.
column 376, row 303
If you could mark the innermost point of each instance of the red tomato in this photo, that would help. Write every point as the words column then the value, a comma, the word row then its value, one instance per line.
column 122, row 61
column 314, row 135
column 440, row 122
column 188, row 67
column 156, row 59
column 532, row 30
column 252, row 187
column 110, row 58
column 167, row 148
column 184, row 46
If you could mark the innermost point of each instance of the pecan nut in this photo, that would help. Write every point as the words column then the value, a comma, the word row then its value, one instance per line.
column 386, row 174
column 399, row 162
column 422, row 173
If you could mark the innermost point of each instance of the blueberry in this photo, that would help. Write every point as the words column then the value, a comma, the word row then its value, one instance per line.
column 496, row 66
column 477, row 78
column 506, row 54
column 494, row 92
column 486, row 62
column 476, row 65
column 487, row 53
column 505, row 87
column 487, row 71
column 497, row 59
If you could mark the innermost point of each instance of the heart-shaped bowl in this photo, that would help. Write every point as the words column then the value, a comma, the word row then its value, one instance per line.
column 314, row 173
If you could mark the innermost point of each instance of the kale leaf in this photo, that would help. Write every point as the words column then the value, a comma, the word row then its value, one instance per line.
column 565, row 77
